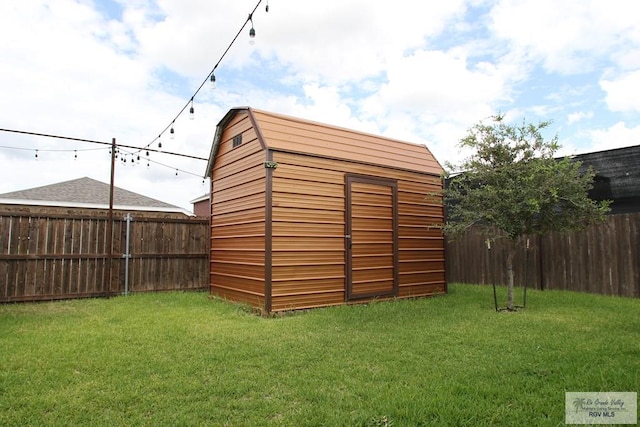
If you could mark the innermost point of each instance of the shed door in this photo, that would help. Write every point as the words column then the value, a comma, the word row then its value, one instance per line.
column 371, row 237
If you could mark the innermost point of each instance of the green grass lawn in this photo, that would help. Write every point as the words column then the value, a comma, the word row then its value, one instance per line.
column 186, row 359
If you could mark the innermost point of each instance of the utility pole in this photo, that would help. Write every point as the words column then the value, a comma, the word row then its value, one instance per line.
column 110, row 221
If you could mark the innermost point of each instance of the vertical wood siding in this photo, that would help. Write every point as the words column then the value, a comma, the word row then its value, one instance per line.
column 603, row 259
column 237, row 261
column 46, row 256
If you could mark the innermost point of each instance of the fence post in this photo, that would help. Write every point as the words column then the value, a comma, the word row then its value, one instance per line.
column 127, row 254
column 526, row 262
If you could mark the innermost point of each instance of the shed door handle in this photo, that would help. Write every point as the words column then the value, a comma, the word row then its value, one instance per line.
column 348, row 237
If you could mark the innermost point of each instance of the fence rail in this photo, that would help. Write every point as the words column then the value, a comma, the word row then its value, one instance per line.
column 603, row 259
column 57, row 256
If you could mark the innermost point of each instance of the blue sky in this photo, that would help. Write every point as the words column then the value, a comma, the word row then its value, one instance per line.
column 423, row 72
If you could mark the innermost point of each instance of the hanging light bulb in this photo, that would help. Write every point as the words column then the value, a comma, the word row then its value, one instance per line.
column 252, row 32
column 191, row 111
column 176, row 172
column 36, row 153
column 75, row 154
column 171, row 131
column 159, row 142
column 212, row 80
column 267, row 8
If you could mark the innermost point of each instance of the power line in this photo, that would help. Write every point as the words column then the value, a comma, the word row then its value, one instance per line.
column 52, row 150
column 137, row 149
column 210, row 76
column 91, row 141
column 149, row 160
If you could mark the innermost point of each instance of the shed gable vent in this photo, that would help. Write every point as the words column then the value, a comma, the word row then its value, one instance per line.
column 237, row 140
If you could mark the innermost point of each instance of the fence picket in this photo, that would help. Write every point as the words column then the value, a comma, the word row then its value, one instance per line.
column 604, row 259
column 57, row 256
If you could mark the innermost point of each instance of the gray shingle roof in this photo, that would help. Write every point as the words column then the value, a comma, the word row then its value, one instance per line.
column 87, row 191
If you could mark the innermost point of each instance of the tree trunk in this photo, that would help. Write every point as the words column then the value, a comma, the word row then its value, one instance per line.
column 510, row 283
column 510, row 255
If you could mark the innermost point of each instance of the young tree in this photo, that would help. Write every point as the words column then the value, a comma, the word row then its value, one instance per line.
column 512, row 186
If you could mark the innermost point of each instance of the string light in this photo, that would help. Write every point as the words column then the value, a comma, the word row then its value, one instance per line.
column 212, row 79
column 252, row 31
column 210, row 76
column 120, row 154
column 266, row 9
column 75, row 154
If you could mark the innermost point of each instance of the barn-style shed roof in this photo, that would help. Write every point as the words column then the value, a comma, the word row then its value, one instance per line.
column 285, row 133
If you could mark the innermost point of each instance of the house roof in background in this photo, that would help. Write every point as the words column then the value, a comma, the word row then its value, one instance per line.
column 617, row 171
column 202, row 198
column 87, row 193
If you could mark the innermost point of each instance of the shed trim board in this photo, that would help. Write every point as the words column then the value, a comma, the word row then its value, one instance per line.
column 312, row 200
column 268, row 214
column 268, row 234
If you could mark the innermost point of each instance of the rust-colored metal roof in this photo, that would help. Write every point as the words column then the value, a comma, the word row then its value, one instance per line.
column 285, row 133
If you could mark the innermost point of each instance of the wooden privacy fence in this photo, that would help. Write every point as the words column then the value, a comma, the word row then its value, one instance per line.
column 48, row 256
column 603, row 259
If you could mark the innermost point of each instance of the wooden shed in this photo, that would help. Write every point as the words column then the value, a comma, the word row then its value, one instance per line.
column 306, row 214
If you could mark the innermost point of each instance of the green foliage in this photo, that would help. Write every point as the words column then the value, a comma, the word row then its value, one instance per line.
column 186, row 359
column 511, row 184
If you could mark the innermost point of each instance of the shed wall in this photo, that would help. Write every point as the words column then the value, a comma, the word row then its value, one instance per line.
column 237, row 261
column 308, row 216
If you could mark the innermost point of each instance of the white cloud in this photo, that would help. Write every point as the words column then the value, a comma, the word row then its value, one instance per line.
column 579, row 116
column 616, row 136
column 422, row 72
column 623, row 92
column 334, row 41
column 588, row 140
column 441, row 81
column 568, row 36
